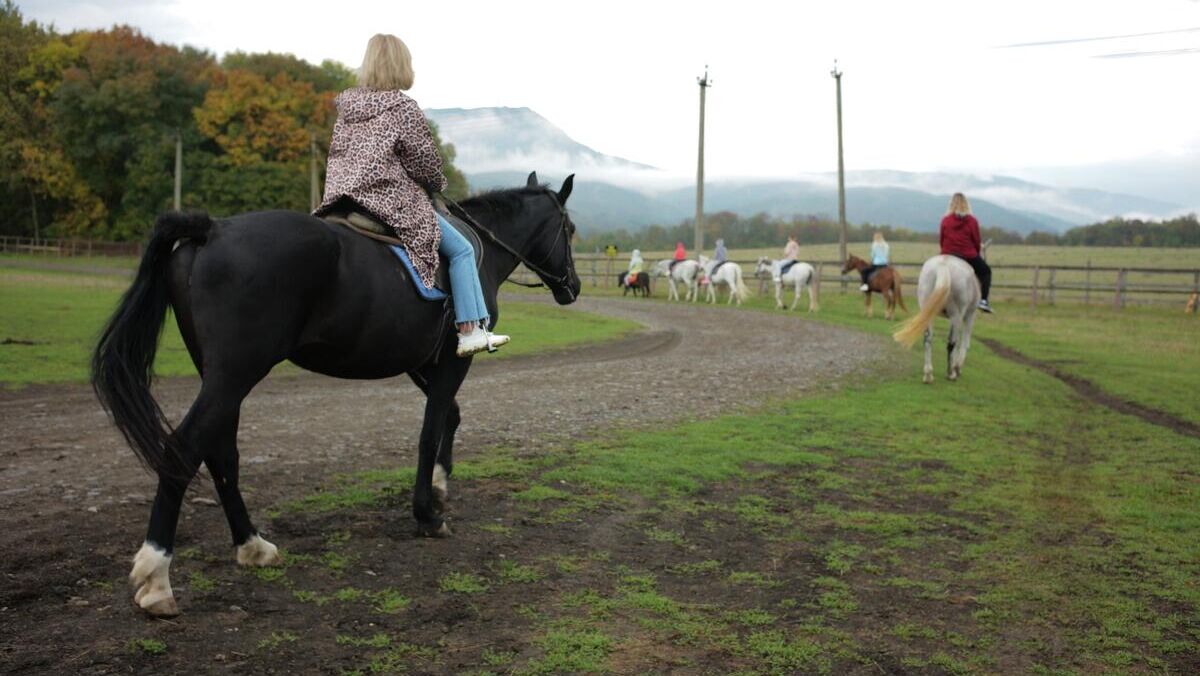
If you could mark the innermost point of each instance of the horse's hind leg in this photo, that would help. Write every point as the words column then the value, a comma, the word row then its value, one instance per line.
column 964, row 343
column 927, row 377
column 952, row 339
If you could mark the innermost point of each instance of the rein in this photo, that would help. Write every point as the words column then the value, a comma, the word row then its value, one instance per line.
column 537, row 269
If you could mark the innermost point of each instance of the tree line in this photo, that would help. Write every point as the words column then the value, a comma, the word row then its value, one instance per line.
column 89, row 122
column 763, row 230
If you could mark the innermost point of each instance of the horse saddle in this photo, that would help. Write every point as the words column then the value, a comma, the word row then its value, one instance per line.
column 875, row 269
column 717, row 267
column 365, row 224
column 783, row 270
column 674, row 262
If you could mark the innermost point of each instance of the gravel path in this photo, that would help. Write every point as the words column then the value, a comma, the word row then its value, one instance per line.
column 59, row 455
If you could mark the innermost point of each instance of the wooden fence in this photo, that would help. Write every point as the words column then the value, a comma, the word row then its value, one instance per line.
column 1039, row 284
column 68, row 247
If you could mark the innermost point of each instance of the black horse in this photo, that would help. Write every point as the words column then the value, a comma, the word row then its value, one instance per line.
column 641, row 284
column 253, row 290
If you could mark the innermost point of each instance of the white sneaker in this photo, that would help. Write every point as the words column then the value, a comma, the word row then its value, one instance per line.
column 479, row 340
column 864, row 287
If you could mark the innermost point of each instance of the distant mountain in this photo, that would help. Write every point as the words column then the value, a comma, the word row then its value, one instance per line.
column 497, row 147
column 499, row 139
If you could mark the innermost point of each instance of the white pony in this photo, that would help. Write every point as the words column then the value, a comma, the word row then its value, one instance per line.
column 947, row 287
column 729, row 274
column 800, row 276
column 685, row 272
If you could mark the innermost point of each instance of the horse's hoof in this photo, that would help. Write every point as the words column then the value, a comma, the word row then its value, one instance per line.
column 162, row 608
column 928, row 379
column 258, row 552
column 432, row 530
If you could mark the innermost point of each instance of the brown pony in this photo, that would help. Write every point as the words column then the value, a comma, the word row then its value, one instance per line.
column 885, row 281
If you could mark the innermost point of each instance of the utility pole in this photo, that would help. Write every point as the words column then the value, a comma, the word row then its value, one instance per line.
column 837, row 75
column 314, row 186
column 705, row 83
column 178, row 170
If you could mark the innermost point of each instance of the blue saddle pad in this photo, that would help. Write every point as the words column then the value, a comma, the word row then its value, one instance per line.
column 787, row 266
column 428, row 294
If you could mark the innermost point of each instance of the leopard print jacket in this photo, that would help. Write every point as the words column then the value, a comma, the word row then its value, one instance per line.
column 383, row 157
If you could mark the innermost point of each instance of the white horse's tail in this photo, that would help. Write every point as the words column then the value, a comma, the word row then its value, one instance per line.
column 912, row 329
column 739, row 286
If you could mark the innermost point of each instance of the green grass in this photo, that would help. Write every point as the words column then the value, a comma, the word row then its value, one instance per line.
column 146, row 646
column 1070, row 521
column 462, row 583
column 49, row 322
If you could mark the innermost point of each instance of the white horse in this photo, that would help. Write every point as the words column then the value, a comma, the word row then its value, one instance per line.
column 684, row 272
column 800, row 276
column 729, row 274
column 947, row 287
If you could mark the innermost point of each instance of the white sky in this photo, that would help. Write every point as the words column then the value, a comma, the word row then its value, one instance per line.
column 927, row 85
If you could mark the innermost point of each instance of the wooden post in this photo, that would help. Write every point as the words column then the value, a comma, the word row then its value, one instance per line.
column 1087, row 284
column 817, row 279
column 594, row 282
column 1052, row 271
column 704, row 83
column 1119, row 292
column 1196, row 282
column 1033, row 292
column 608, row 273
column 178, row 171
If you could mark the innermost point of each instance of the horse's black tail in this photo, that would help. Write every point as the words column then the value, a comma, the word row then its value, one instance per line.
column 122, row 365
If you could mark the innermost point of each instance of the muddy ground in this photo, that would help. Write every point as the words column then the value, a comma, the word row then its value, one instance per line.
column 362, row 591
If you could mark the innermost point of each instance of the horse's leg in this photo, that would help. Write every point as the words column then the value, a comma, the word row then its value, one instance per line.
column 779, row 295
column 444, row 466
column 927, row 377
column 796, row 291
column 813, row 303
column 212, row 417
column 870, row 310
column 890, row 309
column 952, row 340
column 441, row 415
column 964, row 342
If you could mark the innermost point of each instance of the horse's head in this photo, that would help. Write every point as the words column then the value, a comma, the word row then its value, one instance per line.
column 763, row 265
column 532, row 225
column 551, row 241
column 853, row 263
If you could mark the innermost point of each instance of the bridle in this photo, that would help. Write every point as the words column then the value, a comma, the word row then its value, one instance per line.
column 538, row 269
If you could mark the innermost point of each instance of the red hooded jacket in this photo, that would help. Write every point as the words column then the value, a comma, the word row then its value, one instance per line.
column 960, row 235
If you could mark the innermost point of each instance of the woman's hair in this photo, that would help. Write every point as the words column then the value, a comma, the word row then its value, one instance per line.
column 879, row 236
column 959, row 205
column 387, row 64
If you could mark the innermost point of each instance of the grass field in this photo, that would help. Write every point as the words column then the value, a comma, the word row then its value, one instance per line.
column 49, row 322
column 997, row 524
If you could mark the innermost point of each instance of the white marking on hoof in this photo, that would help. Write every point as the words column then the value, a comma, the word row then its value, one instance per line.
column 258, row 552
column 439, row 480
column 151, row 580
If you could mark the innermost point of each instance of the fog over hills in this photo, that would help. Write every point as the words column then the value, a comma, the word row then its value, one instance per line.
column 497, row 147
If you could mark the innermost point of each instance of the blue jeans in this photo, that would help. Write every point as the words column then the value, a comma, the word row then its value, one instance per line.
column 469, row 305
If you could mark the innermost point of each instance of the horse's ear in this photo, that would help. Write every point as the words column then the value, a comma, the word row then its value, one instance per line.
column 565, row 191
column 532, row 182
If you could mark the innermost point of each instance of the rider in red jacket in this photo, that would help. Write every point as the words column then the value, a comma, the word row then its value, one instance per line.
column 960, row 237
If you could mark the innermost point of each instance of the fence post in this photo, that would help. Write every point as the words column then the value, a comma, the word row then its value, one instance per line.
column 1052, row 271
column 594, row 281
column 1196, row 281
column 1119, row 293
column 817, row 281
column 1087, row 284
column 1033, row 292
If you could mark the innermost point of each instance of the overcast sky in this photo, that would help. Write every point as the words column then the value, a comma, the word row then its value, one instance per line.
column 978, row 85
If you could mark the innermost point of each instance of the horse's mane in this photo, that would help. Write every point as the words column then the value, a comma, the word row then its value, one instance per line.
column 504, row 202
